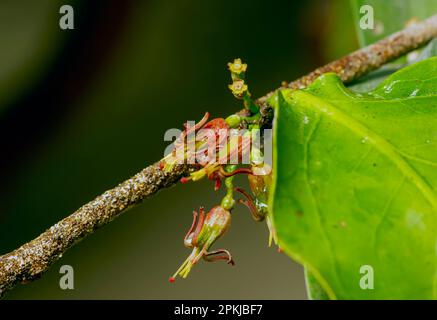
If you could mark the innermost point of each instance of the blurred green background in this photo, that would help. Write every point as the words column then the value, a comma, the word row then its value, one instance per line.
column 82, row 110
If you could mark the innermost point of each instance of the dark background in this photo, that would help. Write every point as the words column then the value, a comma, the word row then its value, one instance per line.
column 82, row 110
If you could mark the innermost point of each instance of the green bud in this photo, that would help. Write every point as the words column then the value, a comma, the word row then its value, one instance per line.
column 233, row 120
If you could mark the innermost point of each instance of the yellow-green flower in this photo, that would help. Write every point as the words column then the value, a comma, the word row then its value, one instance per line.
column 238, row 88
column 237, row 66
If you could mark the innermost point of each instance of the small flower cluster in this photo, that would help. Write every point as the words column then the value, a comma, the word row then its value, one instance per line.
column 238, row 87
column 207, row 228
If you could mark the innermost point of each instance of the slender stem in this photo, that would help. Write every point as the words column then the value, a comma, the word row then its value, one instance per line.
column 32, row 259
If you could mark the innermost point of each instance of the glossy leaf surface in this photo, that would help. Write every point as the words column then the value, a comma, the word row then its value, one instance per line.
column 355, row 183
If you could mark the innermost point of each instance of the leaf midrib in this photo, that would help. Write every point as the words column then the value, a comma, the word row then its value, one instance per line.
column 311, row 101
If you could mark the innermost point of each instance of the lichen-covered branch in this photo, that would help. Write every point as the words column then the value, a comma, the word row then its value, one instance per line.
column 28, row 262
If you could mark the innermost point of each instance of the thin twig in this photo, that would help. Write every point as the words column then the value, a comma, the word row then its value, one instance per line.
column 32, row 259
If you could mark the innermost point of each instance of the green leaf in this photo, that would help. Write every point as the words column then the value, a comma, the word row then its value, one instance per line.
column 391, row 16
column 370, row 81
column 355, row 183
column 314, row 289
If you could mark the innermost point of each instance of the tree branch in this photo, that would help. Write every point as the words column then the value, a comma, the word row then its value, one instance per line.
column 32, row 259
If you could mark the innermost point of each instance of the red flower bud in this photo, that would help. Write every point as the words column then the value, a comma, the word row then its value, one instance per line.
column 204, row 231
